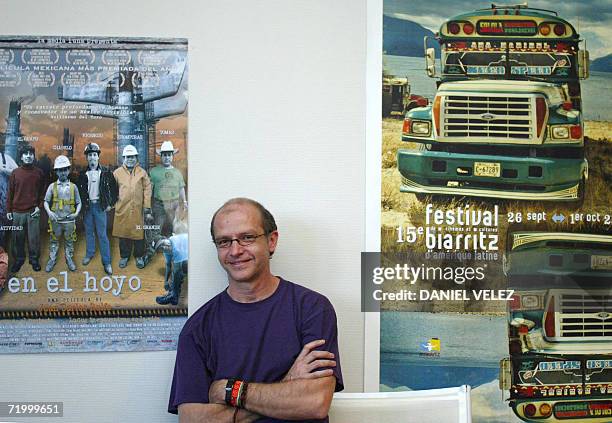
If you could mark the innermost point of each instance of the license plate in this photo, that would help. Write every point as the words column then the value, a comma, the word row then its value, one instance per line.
column 492, row 170
column 601, row 262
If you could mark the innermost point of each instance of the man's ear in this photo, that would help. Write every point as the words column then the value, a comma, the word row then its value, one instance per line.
column 272, row 242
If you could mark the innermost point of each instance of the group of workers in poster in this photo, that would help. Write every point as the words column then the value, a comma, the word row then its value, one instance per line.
column 148, row 212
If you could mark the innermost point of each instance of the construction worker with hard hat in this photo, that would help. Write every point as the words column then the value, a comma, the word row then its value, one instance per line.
column 63, row 205
column 132, row 208
column 98, row 190
column 168, row 189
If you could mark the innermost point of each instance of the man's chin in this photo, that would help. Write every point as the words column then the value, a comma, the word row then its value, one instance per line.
column 240, row 274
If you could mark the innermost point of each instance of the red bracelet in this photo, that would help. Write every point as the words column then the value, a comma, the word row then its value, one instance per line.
column 235, row 393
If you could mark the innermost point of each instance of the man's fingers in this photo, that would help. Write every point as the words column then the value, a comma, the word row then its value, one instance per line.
column 314, row 344
column 313, row 355
column 321, row 363
column 320, row 373
column 309, row 346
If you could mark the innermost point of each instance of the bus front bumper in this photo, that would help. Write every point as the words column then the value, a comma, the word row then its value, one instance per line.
column 524, row 178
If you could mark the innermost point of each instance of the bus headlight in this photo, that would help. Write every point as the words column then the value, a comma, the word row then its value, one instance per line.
column 560, row 132
column 530, row 302
column 533, row 300
column 420, row 127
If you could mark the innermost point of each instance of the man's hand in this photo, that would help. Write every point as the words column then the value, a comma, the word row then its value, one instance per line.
column 52, row 216
column 309, row 360
column 216, row 392
column 35, row 213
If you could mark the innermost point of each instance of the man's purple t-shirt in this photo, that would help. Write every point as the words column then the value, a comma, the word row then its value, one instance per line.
column 255, row 342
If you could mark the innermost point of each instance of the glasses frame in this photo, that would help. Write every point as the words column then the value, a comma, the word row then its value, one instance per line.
column 241, row 241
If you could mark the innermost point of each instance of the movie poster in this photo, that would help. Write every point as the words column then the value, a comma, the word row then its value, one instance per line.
column 495, row 268
column 93, row 193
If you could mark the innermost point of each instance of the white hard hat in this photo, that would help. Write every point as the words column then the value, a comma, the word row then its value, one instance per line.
column 167, row 146
column 130, row 150
column 61, row 162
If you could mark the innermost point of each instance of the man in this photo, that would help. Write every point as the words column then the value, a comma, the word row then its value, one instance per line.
column 168, row 189
column 134, row 199
column 176, row 252
column 251, row 352
column 7, row 166
column 98, row 190
column 63, row 205
column 25, row 195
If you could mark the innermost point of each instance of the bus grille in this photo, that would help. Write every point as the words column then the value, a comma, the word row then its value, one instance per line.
column 586, row 315
column 499, row 118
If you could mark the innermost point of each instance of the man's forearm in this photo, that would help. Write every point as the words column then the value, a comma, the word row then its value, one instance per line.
column 291, row 400
column 213, row 413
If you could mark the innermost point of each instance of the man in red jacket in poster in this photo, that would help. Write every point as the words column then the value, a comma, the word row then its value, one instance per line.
column 26, row 190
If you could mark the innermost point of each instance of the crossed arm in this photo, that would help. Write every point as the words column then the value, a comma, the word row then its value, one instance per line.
column 303, row 393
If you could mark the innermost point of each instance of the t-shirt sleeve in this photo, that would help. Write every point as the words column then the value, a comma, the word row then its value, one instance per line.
column 77, row 196
column 319, row 322
column 191, row 379
column 49, row 193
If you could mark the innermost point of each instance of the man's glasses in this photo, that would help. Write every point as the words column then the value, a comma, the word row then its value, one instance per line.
column 243, row 240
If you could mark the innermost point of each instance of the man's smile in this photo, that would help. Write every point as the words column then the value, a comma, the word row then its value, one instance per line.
column 239, row 263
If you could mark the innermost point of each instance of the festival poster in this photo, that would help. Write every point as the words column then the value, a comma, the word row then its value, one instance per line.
column 495, row 268
column 93, row 193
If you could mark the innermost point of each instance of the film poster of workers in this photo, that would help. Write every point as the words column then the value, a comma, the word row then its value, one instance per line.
column 496, row 237
column 93, row 182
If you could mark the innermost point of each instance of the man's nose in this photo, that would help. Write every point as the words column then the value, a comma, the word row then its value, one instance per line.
column 235, row 248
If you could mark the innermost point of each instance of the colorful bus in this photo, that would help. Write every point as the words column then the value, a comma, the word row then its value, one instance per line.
column 506, row 121
column 560, row 327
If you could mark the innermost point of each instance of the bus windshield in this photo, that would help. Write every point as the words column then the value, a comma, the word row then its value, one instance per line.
column 509, row 63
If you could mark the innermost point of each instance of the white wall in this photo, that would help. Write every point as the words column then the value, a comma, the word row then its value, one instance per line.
column 277, row 113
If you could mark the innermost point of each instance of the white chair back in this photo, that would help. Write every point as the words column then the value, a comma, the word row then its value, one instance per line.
column 435, row 405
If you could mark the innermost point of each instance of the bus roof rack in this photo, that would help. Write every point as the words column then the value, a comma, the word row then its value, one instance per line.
column 517, row 7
